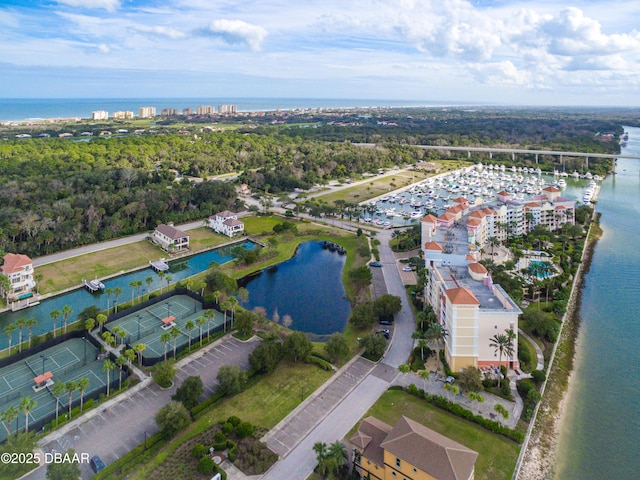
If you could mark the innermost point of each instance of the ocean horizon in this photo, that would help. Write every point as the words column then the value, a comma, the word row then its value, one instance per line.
column 32, row 109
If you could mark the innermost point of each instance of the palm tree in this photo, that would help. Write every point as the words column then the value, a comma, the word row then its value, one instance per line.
column 54, row 316
column 66, row 311
column 101, row 318
column 71, row 387
column 321, row 451
column 511, row 336
column 121, row 361
column 209, row 315
column 190, row 325
column 165, row 338
column 107, row 366
column 30, row 323
column 21, row 324
column 138, row 286
column 175, row 333
column 89, row 324
column 501, row 345
column 57, row 390
column 201, row 321
column 148, row 281
column 422, row 341
column 26, row 405
column 337, row 454
column 8, row 330
column 161, row 275
column 438, row 333
column 117, row 291
column 225, row 305
column 132, row 285
column 404, row 368
column 8, row 416
column 243, row 295
column 232, row 302
column 82, row 385
column 168, row 279
column 130, row 355
column 108, row 291
column 139, row 348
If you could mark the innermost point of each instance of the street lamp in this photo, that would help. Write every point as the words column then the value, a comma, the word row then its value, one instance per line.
column 84, row 340
column 43, row 359
column 145, row 439
column 168, row 311
column 138, row 317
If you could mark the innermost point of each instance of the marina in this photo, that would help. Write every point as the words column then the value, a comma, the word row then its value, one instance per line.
column 479, row 184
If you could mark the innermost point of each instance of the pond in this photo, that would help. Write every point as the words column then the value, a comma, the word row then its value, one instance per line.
column 308, row 288
column 80, row 299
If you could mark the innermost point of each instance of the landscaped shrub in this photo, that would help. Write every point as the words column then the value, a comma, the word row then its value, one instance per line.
column 198, row 451
column 233, row 449
column 206, row 465
column 244, row 429
column 323, row 364
column 227, row 428
column 524, row 386
column 538, row 376
column 233, row 420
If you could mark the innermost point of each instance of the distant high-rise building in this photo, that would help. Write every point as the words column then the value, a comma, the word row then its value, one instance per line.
column 225, row 109
column 123, row 115
column 169, row 112
column 187, row 111
column 205, row 110
column 100, row 115
column 147, row 112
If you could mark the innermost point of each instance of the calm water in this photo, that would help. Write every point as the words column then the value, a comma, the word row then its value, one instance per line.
column 37, row 108
column 308, row 288
column 600, row 433
column 80, row 299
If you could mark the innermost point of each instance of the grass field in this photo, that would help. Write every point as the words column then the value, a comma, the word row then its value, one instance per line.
column 67, row 273
column 497, row 454
column 70, row 272
column 264, row 404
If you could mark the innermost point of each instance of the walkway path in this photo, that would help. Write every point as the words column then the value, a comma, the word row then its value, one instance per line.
column 539, row 354
column 122, row 423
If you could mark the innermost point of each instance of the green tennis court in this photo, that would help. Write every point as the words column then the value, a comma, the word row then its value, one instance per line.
column 148, row 324
column 34, row 376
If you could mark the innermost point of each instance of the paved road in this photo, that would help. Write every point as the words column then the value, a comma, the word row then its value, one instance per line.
column 96, row 247
column 121, row 424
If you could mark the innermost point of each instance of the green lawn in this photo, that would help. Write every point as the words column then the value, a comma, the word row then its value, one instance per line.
column 497, row 454
column 264, row 404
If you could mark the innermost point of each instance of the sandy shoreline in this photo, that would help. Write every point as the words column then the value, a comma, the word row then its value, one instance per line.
column 539, row 451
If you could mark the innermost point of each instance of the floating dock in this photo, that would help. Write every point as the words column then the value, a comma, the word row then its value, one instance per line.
column 159, row 265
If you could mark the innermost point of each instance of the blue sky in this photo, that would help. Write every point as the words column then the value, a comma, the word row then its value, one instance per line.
column 507, row 52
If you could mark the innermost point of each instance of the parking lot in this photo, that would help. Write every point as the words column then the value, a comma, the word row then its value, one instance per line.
column 111, row 432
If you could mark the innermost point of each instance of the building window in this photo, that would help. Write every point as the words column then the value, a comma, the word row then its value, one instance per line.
column 415, row 471
column 393, row 474
column 398, row 462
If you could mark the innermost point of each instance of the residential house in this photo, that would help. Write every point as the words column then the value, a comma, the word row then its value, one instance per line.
column 19, row 270
column 170, row 238
column 409, row 451
column 226, row 223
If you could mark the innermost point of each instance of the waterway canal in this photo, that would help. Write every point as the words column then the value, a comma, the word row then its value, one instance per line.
column 80, row 299
column 600, row 431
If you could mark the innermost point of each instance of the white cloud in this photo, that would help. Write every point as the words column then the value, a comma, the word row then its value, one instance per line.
column 109, row 5
column 161, row 31
column 238, row 32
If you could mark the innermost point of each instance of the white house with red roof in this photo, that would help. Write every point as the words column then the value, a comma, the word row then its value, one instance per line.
column 226, row 223
column 170, row 238
column 19, row 270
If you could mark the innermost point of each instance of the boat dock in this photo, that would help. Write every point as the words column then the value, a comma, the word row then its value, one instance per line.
column 159, row 265
column 93, row 285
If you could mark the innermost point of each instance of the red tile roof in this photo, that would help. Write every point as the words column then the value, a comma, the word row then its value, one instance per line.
column 473, row 222
column 430, row 219
column 551, row 188
column 462, row 296
column 477, row 268
column 435, row 246
column 447, row 217
column 14, row 262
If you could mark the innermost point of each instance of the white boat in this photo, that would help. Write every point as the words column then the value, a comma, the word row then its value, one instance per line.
column 562, row 183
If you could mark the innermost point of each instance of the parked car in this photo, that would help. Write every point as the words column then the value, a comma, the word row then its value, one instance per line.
column 449, row 380
column 386, row 322
column 375, row 264
column 383, row 331
column 97, row 464
column 407, row 269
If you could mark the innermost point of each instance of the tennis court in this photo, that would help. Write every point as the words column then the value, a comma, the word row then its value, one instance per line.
column 147, row 325
column 34, row 376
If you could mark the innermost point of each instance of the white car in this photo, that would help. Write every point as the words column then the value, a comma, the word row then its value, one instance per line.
column 407, row 269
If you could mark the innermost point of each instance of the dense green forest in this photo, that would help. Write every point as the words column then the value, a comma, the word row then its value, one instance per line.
column 59, row 193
